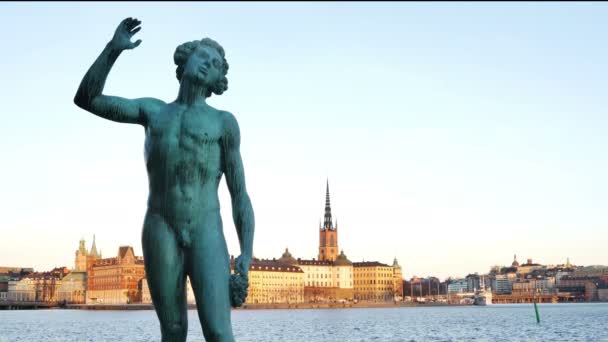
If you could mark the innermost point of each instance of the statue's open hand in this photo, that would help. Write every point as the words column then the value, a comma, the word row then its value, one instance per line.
column 125, row 30
column 239, row 281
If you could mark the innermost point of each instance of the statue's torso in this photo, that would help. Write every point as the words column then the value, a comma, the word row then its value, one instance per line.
column 184, row 161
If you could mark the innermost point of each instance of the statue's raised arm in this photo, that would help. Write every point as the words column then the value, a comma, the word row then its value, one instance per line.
column 89, row 95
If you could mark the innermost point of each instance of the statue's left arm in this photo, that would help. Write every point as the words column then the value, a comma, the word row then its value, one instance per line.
column 242, row 212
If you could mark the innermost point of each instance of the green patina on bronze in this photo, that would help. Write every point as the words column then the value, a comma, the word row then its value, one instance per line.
column 189, row 145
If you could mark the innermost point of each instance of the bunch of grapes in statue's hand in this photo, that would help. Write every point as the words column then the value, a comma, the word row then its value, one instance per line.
column 239, row 281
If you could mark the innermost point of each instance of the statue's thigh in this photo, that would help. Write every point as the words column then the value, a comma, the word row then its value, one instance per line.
column 165, row 271
column 209, row 271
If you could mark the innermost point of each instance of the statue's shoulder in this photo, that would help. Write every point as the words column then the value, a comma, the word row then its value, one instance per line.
column 229, row 122
column 151, row 105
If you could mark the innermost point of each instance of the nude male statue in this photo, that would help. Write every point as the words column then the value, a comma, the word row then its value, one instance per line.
column 188, row 146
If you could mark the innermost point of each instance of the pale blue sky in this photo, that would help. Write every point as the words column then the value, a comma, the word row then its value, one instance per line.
column 453, row 134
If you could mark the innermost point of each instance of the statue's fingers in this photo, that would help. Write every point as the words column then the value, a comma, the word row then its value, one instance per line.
column 136, row 44
column 134, row 31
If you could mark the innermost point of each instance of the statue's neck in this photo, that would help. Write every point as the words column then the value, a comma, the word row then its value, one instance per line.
column 191, row 94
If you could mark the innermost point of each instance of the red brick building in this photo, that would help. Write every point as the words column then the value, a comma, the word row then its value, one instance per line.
column 115, row 280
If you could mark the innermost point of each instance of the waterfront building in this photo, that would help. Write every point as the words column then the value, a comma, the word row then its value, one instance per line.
column 572, row 281
column 115, row 280
column 146, row 298
column 72, row 289
column 502, row 283
column 36, row 286
column 374, row 281
column 330, row 277
column 4, row 278
column 273, row 282
column 397, row 280
column 473, row 282
column 602, row 292
column 327, row 280
column 534, row 286
column 458, row 286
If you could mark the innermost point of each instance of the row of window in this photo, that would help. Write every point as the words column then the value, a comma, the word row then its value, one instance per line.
column 373, row 281
column 377, row 275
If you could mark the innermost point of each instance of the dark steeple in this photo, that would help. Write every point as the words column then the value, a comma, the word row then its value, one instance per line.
column 327, row 223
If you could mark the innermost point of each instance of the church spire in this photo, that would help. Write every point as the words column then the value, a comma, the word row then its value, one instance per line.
column 328, row 221
column 93, row 252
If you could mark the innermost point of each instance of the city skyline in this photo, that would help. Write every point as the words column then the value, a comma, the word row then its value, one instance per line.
column 452, row 136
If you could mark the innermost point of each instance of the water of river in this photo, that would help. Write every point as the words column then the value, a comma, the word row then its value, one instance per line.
column 559, row 322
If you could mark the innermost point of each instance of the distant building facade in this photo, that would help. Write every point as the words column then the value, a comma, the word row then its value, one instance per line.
column 502, row 283
column 37, row 286
column 116, row 280
column 273, row 281
column 374, row 281
column 397, row 280
column 534, row 286
column 458, row 286
column 72, row 289
column 146, row 298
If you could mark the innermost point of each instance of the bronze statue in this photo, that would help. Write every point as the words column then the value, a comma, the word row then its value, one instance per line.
column 189, row 145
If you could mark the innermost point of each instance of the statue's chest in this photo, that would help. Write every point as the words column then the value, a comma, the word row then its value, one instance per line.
column 182, row 134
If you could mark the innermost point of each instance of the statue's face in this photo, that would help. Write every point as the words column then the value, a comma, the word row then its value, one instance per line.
column 204, row 66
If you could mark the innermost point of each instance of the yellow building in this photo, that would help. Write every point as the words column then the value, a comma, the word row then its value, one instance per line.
column 374, row 281
column 116, row 280
column 272, row 281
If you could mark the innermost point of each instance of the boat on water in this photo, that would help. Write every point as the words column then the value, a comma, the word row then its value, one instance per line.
column 467, row 301
column 483, row 296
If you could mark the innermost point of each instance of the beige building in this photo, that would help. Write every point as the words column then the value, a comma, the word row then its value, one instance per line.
column 327, row 280
column 37, row 287
column 531, row 286
column 146, row 298
column 374, row 281
column 273, row 281
column 72, row 289
column 116, row 280
column 397, row 280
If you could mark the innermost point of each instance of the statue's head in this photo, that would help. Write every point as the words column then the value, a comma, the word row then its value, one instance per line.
column 202, row 62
